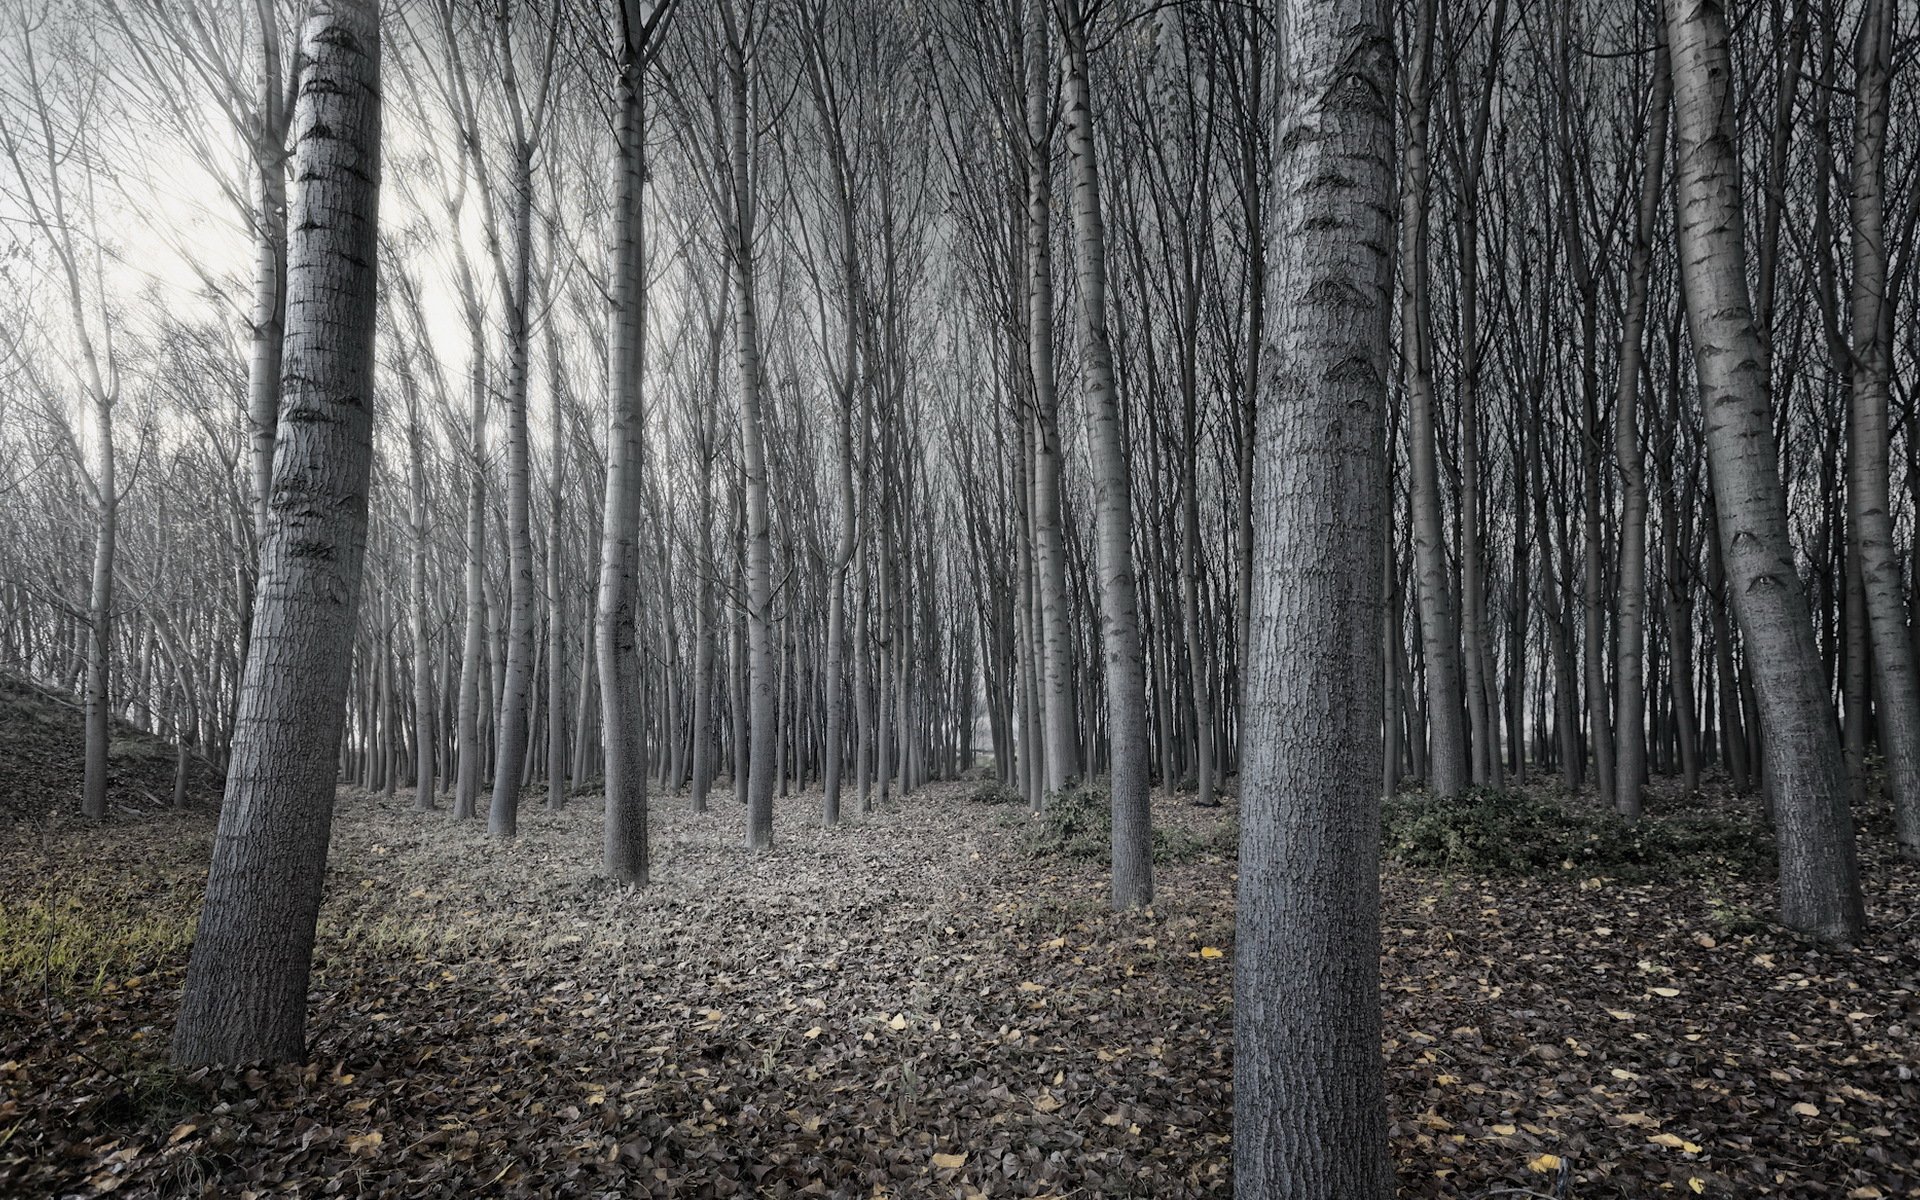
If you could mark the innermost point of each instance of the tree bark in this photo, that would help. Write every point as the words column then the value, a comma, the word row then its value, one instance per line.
column 1309, row 1082
column 1057, row 699
column 1630, row 632
column 1129, row 769
column 1819, row 876
column 1449, row 770
column 622, row 673
column 1869, row 505
column 246, row 989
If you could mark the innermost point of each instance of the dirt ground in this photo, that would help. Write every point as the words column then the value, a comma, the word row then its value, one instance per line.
column 915, row 1004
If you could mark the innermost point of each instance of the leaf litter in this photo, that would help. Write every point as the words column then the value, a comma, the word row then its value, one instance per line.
column 915, row 1004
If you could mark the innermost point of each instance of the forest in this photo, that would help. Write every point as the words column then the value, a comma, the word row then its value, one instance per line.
column 959, row 598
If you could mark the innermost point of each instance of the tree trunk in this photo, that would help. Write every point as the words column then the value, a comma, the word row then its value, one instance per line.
column 1448, row 765
column 1057, row 699
column 622, row 672
column 738, row 222
column 1309, row 1083
column 1869, row 505
column 1819, row 877
column 245, row 997
column 1630, row 629
column 516, row 685
column 1129, row 771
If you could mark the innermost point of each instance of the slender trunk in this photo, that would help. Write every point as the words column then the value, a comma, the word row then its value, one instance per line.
column 1819, row 876
column 418, row 518
column 1129, row 769
column 738, row 221
column 1449, row 766
column 266, row 328
column 99, row 657
column 516, row 682
column 1063, row 742
column 556, row 605
column 1869, row 506
column 1630, row 627
column 622, row 671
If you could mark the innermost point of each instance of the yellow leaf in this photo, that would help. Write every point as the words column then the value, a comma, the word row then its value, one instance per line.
column 1866, row 1192
column 1675, row 1143
column 1211, row 952
column 1619, row 1014
column 898, row 1023
column 1805, row 1109
column 1504, row 1130
column 1544, row 1163
column 1637, row 1118
column 181, row 1131
column 1697, row 1184
column 1031, row 986
column 365, row 1143
column 815, row 1032
column 1047, row 1103
column 950, row 1162
column 1668, row 993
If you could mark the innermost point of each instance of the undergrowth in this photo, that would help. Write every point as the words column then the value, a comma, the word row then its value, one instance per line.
column 63, row 942
column 1510, row 833
column 1078, row 823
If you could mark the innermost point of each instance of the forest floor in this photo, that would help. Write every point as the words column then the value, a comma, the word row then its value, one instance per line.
column 915, row 1004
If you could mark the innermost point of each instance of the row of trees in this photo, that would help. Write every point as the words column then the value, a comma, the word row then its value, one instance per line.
column 722, row 425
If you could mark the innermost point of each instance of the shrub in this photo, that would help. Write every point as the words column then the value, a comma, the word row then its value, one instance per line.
column 992, row 791
column 1078, row 823
column 1512, row 833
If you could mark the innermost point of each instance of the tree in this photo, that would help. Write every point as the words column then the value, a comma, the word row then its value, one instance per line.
column 1630, row 700
column 246, row 989
column 1058, row 702
column 624, row 842
column 1450, row 766
column 1819, row 877
column 1309, row 1082
column 1131, row 793
column 1869, row 506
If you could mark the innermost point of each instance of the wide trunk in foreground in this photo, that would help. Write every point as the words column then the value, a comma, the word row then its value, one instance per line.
column 246, row 988
column 1309, row 1083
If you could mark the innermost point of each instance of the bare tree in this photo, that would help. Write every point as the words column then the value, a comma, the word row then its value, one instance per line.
column 245, row 997
column 1819, row 878
column 1113, row 495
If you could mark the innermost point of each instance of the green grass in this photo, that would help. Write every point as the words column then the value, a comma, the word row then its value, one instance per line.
column 70, row 942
